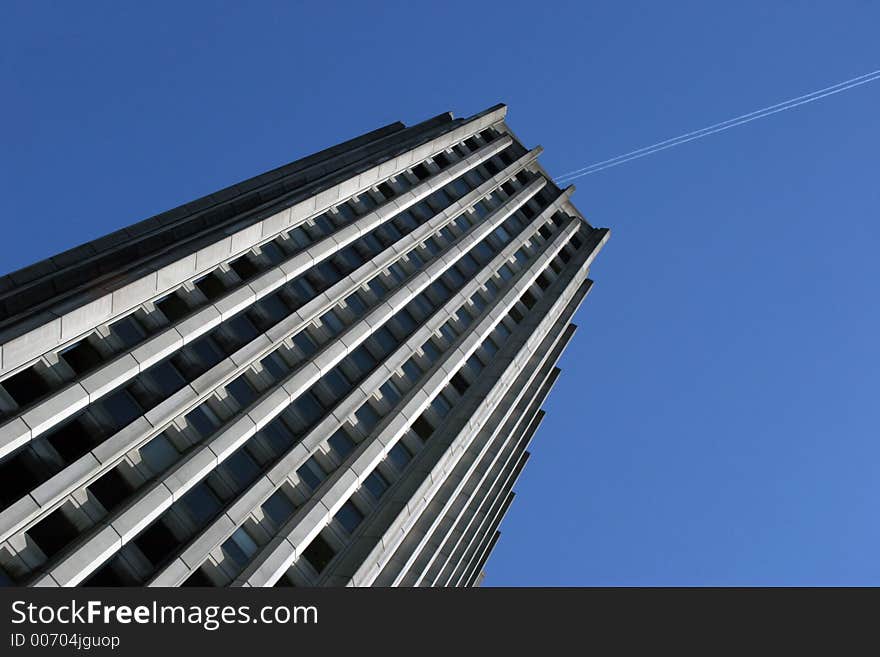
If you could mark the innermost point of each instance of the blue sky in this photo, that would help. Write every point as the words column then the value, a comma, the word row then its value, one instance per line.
column 716, row 420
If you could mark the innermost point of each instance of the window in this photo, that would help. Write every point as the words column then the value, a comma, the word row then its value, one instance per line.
column 72, row 440
column 201, row 503
column 305, row 344
column 122, row 407
column 355, row 304
column 441, row 406
column 242, row 391
column 422, row 428
column 165, row 378
column 173, row 307
column 349, row 516
column 267, row 312
column 421, row 172
column 278, row 508
column 211, row 286
column 25, row 387
column 341, row 443
column 319, row 553
column 331, row 321
column 275, row 366
column 363, row 360
column 312, row 473
column 390, row 392
column 53, row 533
column 156, row 543
column 244, row 267
column 376, row 484
column 399, row 455
column 129, row 331
column 386, row 340
column 240, row 547
column 242, row 468
column 110, row 490
column 203, row 420
column 367, row 417
column 308, row 408
column 442, row 160
column 81, row 357
column 158, row 454
column 336, row 383
column 205, row 349
column 278, row 436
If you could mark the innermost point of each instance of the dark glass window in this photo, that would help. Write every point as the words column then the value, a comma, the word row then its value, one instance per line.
column 399, row 455
column 173, row 307
column 376, row 484
column 305, row 343
column 459, row 383
column 349, row 516
column 82, row 357
column 129, row 331
column 26, row 387
column 337, row 383
column 72, row 440
column 422, row 428
column 242, row 391
column 240, row 547
column 159, row 453
column 53, row 533
column 278, row 508
column 278, row 436
column 319, row 553
column 156, row 543
column 390, row 392
column 244, row 267
column 308, row 408
column 211, row 286
column 311, row 473
column 242, row 468
column 367, row 417
column 204, row 422
column 275, row 366
column 362, row 358
column 122, row 407
column 111, row 489
column 201, row 503
column 166, row 379
column 341, row 443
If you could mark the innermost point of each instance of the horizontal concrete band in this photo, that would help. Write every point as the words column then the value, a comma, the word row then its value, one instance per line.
column 76, row 318
column 111, row 451
column 282, row 471
column 78, row 564
column 447, row 518
column 492, row 410
column 47, row 414
column 271, row 562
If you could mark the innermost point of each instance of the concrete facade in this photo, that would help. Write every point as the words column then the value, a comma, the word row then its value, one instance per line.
column 328, row 374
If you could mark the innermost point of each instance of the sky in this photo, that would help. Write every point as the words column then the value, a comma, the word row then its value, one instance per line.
column 716, row 420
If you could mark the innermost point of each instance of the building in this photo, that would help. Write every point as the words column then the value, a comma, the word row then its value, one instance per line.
column 325, row 375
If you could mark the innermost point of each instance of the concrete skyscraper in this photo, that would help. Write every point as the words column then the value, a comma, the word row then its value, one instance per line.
column 325, row 375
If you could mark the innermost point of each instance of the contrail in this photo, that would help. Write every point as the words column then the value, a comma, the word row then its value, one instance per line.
column 719, row 127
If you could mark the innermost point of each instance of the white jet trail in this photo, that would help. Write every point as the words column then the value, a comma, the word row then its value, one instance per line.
column 719, row 127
